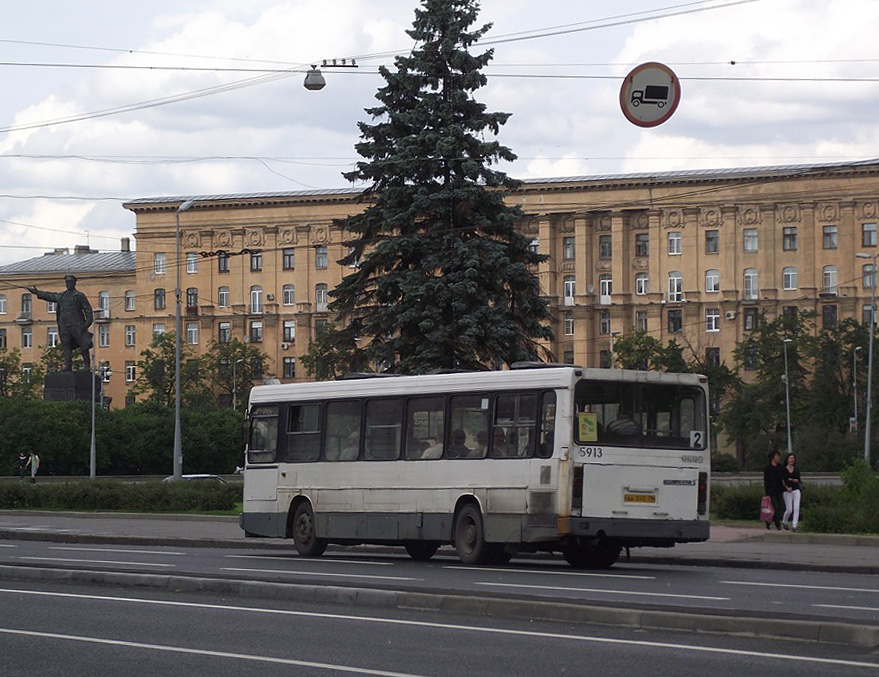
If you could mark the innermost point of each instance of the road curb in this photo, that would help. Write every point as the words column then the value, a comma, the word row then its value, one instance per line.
column 831, row 632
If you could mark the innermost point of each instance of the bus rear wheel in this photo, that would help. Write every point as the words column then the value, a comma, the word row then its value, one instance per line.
column 304, row 537
column 602, row 556
column 421, row 551
column 469, row 536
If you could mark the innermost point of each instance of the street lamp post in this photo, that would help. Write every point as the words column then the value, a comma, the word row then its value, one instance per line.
column 869, row 405
column 786, row 380
column 178, row 443
column 855, row 384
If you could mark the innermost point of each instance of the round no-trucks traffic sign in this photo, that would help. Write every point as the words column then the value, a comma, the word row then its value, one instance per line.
column 650, row 94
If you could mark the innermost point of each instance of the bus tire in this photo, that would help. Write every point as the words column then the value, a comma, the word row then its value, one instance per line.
column 421, row 551
column 304, row 537
column 603, row 556
column 470, row 536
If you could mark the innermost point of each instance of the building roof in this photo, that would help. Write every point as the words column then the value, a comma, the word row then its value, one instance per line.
column 77, row 263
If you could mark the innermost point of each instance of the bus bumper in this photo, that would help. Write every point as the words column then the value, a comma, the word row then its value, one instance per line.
column 637, row 533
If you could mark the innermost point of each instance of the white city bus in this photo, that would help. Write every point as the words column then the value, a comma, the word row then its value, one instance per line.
column 537, row 458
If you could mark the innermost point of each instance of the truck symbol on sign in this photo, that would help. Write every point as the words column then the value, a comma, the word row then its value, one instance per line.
column 656, row 95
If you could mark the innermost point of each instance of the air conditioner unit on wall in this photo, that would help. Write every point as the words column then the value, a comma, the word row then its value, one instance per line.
column 285, row 346
column 270, row 297
column 730, row 314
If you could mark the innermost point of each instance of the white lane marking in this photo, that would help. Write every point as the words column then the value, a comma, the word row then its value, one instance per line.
column 452, row 626
column 3, row 545
column 800, row 586
column 554, row 573
column 604, row 590
column 95, row 561
column 322, row 560
column 119, row 550
column 847, row 608
column 205, row 652
column 319, row 573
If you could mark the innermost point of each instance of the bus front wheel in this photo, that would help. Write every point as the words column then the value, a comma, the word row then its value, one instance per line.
column 421, row 551
column 469, row 536
column 304, row 537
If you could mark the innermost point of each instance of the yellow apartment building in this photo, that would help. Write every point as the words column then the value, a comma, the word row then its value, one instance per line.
column 692, row 255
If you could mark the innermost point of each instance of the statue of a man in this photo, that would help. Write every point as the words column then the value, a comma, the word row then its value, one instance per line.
column 74, row 313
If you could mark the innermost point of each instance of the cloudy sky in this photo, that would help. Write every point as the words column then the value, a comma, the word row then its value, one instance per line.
column 105, row 102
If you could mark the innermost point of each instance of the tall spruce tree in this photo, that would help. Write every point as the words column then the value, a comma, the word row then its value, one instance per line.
column 443, row 278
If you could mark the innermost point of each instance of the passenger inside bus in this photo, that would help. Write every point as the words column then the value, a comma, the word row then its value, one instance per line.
column 352, row 449
column 623, row 424
column 457, row 449
column 435, row 450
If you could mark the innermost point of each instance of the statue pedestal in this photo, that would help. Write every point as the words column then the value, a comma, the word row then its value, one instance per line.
column 62, row 386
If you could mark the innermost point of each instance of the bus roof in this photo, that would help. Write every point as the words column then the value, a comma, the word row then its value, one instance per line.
column 514, row 379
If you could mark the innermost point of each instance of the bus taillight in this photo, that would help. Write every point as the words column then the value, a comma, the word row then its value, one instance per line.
column 577, row 489
column 702, row 504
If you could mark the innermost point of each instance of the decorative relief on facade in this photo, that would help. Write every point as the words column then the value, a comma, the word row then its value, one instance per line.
column 750, row 216
column 223, row 239
column 674, row 219
column 869, row 210
column 287, row 236
column 637, row 220
column 640, row 263
column 603, row 222
column 711, row 218
column 320, row 234
column 253, row 237
column 529, row 226
column 789, row 214
column 192, row 239
column 603, row 264
column 827, row 211
column 568, row 224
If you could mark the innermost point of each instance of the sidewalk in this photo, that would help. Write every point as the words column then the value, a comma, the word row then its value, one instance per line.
column 739, row 546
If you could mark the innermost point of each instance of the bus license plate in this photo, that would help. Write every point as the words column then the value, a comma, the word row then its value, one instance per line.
column 639, row 498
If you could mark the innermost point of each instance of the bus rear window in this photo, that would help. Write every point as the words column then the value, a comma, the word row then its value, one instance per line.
column 640, row 415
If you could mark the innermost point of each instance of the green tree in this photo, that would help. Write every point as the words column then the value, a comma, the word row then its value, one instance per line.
column 249, row 363
column 443, row 279
column 16, row 380
column 155, row 373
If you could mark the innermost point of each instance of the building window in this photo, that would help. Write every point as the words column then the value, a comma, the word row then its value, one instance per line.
column 289, row 331
column 642, row 244
column 712, row 241
column 158, row 329
column 750, row 319
column 255, row 300
column 104, row 335
column 605, row 288
column 605, row 247
column 750, row 239
column 104, row 305
column 3, row 341
column 712, row 357
column 789, row 278
column 27, row 337
column 829, row 238
column 160, row 263
column 224, row 332
column 570, row 290
column 223, row 262
column 869, row 276
column 829, row 316
column 789, row 239
column 752, row 358
column 675, row 287
column 675, row 243
column 289, row 367
column 192, row 333
column 159, row 299
column 27, row 306
column 568, row 248
column 256, row 331
column 191, row 298
column 829, row 279
column 130, row 300
column 51, row 307
column 321, row 258
column 191, row 262
column 642, row 283
column 223, row 298
column 868, row 234
column 130, row 335
column 130, row 371
column 288, row 260
column 255, row 262
column 712, row 319
column 568, row 356
column 604, row 359
column 675, row 320
column 751, row 284
column 641, row 320
column 321, row 297
column 52, row 337
column 712, row 280
column 604, row 322
column 289, row 295
column 2, row 304
column 868, row 314
column 569, row 323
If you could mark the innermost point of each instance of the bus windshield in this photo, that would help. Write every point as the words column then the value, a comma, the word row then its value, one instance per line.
column 640, row 414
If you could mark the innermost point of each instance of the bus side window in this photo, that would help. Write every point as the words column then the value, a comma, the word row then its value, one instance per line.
column 342, row 441
column 514, row 426
column 468, row 424
column 263, row 438
column 424, row 427
column 547, row 425
column 303, row 432
column 383, row 426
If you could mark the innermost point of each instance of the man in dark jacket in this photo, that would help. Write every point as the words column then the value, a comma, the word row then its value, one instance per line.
column 75, row 316
column 773, row 486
